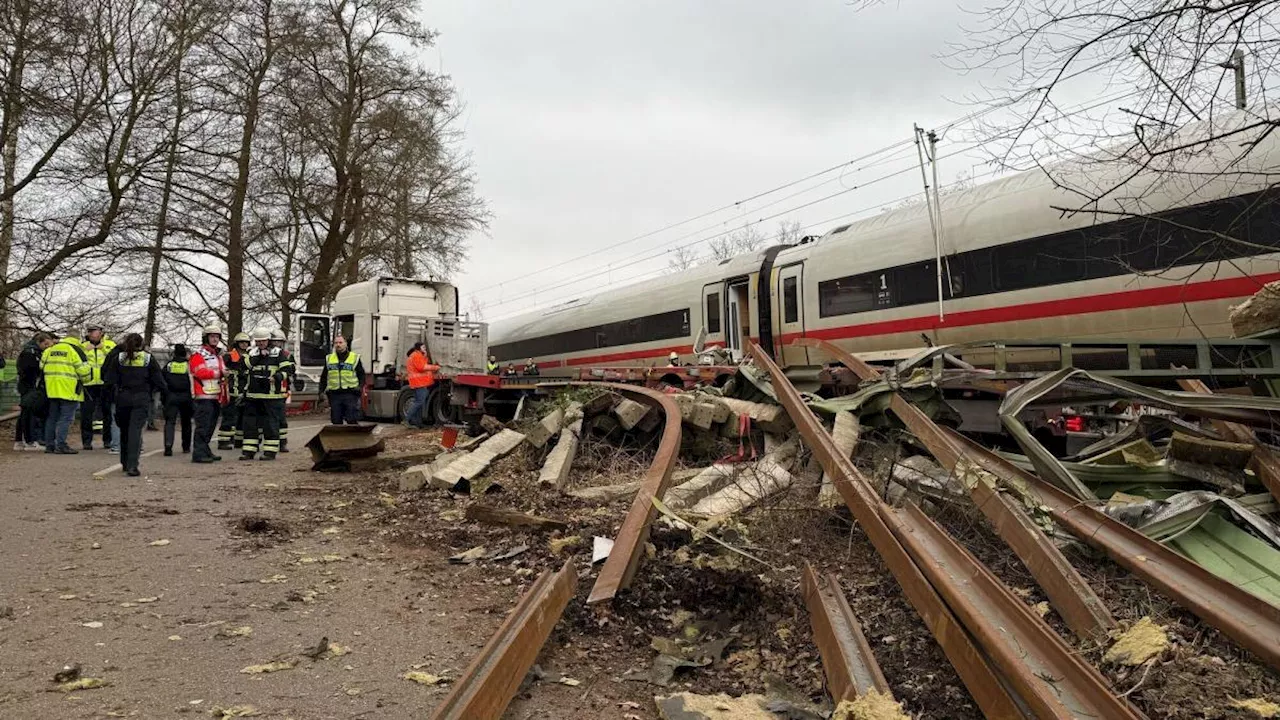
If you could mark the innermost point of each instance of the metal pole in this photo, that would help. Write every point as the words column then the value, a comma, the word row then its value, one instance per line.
column 933, row 221
column 937, row 211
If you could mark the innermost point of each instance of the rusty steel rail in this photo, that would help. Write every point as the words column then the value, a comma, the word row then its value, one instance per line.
column 628, row 548
column 1077, row 603
column 1044, row 673
column 986, row 687
column 1264, row 462
column 1248, row 620
column 490, row 682
column 850, row 666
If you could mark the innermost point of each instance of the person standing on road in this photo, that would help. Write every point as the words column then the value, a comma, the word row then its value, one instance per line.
column 208, row 393
column 266, row 387
column 178, row 403
column 279, row 341
column 66, row 368
column 95, row 412
column 231, row 432
column 31, row 398
column 131, row 375
column 341, row 380
column 422, row 376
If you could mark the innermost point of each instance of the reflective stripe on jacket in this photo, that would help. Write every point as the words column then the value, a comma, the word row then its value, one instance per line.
column 65, row 370
column 268, row 374
column 206, row 374
column 341, row 374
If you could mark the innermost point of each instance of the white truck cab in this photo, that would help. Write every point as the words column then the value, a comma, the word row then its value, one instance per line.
column 381, row 319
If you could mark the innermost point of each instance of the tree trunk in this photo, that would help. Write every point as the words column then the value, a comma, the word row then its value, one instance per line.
column 162, row 216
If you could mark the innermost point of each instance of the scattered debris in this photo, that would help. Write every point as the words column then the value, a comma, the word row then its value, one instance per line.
column 84, row 683
column 233, row 711
column 469, row 556
column 560, row 544
column 423, row 678
column 690, row 706
column 270, row 667
column 469, row 466
column 159, row 543
column 487, row 515
column 1138, row 644
column 67, row 673
column 600, row 548
column 1263, row 708
column 555, row 471
column 871, row 706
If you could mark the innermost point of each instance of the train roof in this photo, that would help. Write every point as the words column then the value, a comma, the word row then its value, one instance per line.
column 1187, row 171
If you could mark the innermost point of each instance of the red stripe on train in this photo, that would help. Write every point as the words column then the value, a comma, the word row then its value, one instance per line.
column 1105, row 302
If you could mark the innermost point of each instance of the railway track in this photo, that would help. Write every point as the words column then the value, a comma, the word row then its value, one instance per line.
column 1032, row 672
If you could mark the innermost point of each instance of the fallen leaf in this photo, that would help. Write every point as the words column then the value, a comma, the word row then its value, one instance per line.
column 93, row 624
column 470, row 556
column 274, row 579
column 233, row 711
column 84, row 683
column 148, row 599
column 159, row 543
column 234, row 632
column 268, row 667
column 329, row 531
column 67, row 597
column 1263, row 708
column 425, row 678
column 570, row 682
column 175, row 638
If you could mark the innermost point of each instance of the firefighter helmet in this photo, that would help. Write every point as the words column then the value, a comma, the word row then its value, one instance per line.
column 277, row 335
column 210, row 330
column 261, row 333
column 241, row 337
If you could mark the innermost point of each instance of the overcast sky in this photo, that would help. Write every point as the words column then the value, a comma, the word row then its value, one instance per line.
column 592, row 122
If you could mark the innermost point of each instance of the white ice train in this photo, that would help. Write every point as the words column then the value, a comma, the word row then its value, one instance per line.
column 1015, row 268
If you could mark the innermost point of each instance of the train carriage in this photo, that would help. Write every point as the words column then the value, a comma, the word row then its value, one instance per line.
column 1164, row 256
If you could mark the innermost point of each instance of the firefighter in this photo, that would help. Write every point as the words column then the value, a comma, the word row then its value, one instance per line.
column 178, row 406
column 208, row 393
column 231, row 432
column 341, row 381
column 267, row 373
column 292, row 382
column 492, row 367
column 95, row 411
column 66, row 368
column 531, row 367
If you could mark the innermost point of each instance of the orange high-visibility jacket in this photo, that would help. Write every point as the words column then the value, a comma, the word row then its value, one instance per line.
column 421, row 372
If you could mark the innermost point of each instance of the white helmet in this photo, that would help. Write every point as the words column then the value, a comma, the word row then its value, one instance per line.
column 261, row 333
column 208, row 330
column 277, row 335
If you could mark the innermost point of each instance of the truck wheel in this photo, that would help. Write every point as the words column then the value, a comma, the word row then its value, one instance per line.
column 442, row 411
column 402, row 405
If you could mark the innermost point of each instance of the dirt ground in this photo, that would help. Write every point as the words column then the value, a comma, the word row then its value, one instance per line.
column 150, row 583
column 145, row 583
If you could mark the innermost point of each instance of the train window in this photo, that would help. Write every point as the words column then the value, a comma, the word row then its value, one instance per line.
column 790, row 300
column 713, row 313
column 856, row 293
column 660, row 326
column 1040, row 262
column 917, row 283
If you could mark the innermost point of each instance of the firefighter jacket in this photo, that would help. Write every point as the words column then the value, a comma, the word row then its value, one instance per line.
column 66, row 369
column 268, row 373
column 178, row 380
column 97, row 357
column 237, row 371
column 208, row 381
column 133, row 379
column 342, row 372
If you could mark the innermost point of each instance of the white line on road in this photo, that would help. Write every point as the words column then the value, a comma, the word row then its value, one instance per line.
column 107, row 471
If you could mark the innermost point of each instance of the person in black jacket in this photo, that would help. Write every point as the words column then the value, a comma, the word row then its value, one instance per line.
column 132, row 375
column 179, row 403
column 29, row 434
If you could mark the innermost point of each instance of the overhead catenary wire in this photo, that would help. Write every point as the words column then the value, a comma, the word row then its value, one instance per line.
column 642, row 257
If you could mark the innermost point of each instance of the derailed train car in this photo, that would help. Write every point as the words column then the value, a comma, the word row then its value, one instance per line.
column 1171, row 245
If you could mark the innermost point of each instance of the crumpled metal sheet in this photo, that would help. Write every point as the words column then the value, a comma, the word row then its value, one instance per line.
column 1239, row 408
column 1162, row 519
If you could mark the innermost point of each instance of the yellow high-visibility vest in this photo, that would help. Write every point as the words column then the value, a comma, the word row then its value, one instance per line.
column 341, row 374
column 65, row 370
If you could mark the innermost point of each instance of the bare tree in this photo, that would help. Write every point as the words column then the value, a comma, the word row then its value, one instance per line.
column 682, row 258
column 1147, row 71
column 745, row 240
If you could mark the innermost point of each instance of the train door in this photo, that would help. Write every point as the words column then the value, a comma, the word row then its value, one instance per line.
column 789, row 319
column 713, row 314
column 739, row 317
